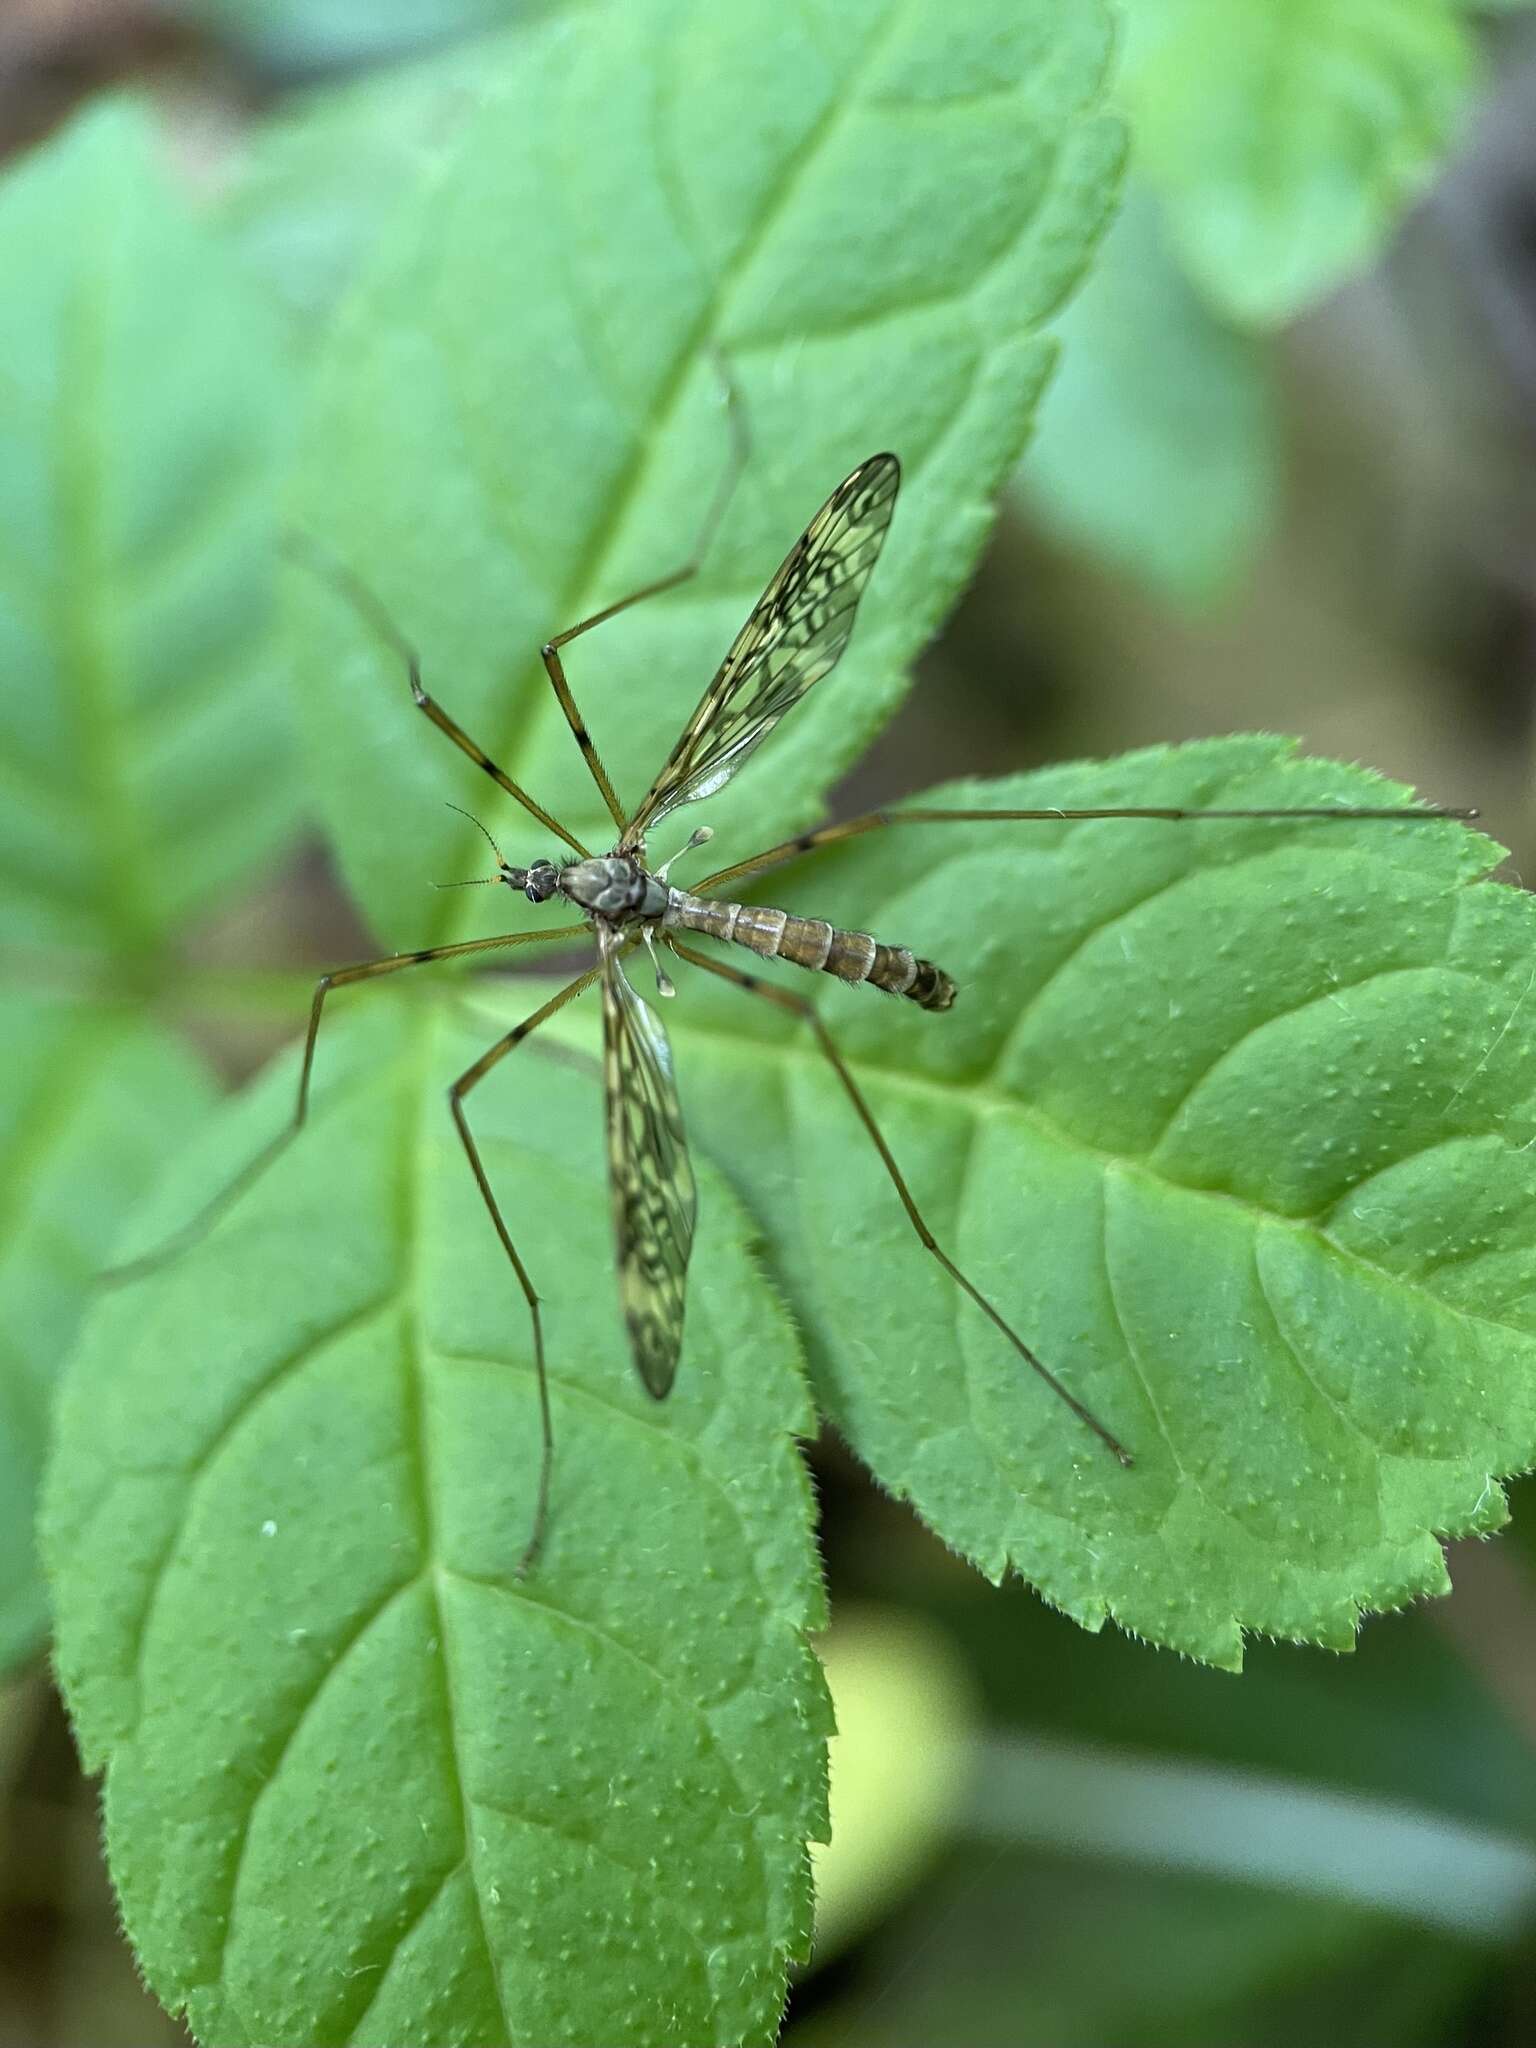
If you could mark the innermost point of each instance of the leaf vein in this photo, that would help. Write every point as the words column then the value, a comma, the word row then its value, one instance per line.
column 357, row 1633
column 1293, row 1352
column 1298, row 1009
column 1133, row 1355
column 411, row 1201
column 583, row 1624
column 313, row 1347
column 686, row 1448
column 1032, row 1002
column 397, row 1941
column 563, row 1832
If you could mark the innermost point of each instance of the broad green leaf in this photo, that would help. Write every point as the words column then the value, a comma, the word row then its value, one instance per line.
column 1158, row 443
column 362, row 1783
column 872, row 211
column 90, row 1100
column 1236, row 1123
column 1286, row 140
column 141, row 399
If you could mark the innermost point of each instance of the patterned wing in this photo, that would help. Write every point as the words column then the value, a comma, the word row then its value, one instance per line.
column 654, row 1197
column 798, row 628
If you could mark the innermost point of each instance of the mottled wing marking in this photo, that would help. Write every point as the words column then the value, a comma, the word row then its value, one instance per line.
column 797, row 630
column 655, row 1200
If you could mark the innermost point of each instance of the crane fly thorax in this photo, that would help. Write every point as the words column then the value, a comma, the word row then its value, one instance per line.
column 614, row 887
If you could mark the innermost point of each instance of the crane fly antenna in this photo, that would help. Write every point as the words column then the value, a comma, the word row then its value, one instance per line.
column 483, row 830
column 475, row 881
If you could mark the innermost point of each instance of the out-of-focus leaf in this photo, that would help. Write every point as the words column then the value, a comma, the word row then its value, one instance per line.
column 1013, row 1947
column 363, row 1783
column 143, row 754
column 871, row 212
column 899, row 1765
column 1397, row 1859
column 1235, row 1122
column 315, row 183
column 1158, row 443
column 1286, row 141
column 1404, row 1719
column 1196, row 1959
column 91, row 1099
column 319, row 35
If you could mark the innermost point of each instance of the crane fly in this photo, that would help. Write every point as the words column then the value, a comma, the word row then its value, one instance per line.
column 793, row 638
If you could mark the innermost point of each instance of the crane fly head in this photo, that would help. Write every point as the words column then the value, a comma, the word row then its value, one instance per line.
column 538, row 883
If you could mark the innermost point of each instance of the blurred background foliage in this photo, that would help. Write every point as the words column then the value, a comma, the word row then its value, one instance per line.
column 1283, row 480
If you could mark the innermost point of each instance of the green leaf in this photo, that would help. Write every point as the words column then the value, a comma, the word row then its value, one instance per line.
column 871, row 211
column 363, row 1784
column 1286, row 141
column 1158, row 443
column 314, row 185
column 142, row 729
column 90, row 1101
column 1236, row 1123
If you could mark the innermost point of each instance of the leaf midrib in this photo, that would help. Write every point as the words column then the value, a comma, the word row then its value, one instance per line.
column 580, row 597
column 421, row 1098
column 415, row 1150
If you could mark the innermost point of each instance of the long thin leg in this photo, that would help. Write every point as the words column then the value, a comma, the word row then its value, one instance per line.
column 799, row 1006
column 252, row 1171
column 872, row 821
column 456, row 1094
column 736, row 462
column 366, row 601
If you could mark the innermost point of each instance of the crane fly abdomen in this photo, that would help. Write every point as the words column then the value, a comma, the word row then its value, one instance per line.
column 812, row 942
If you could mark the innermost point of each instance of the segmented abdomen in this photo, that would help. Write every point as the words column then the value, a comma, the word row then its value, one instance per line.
column 811, row 942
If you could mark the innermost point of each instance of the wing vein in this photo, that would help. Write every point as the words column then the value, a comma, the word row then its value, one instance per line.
column 794, row 635
column 655, row 1199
